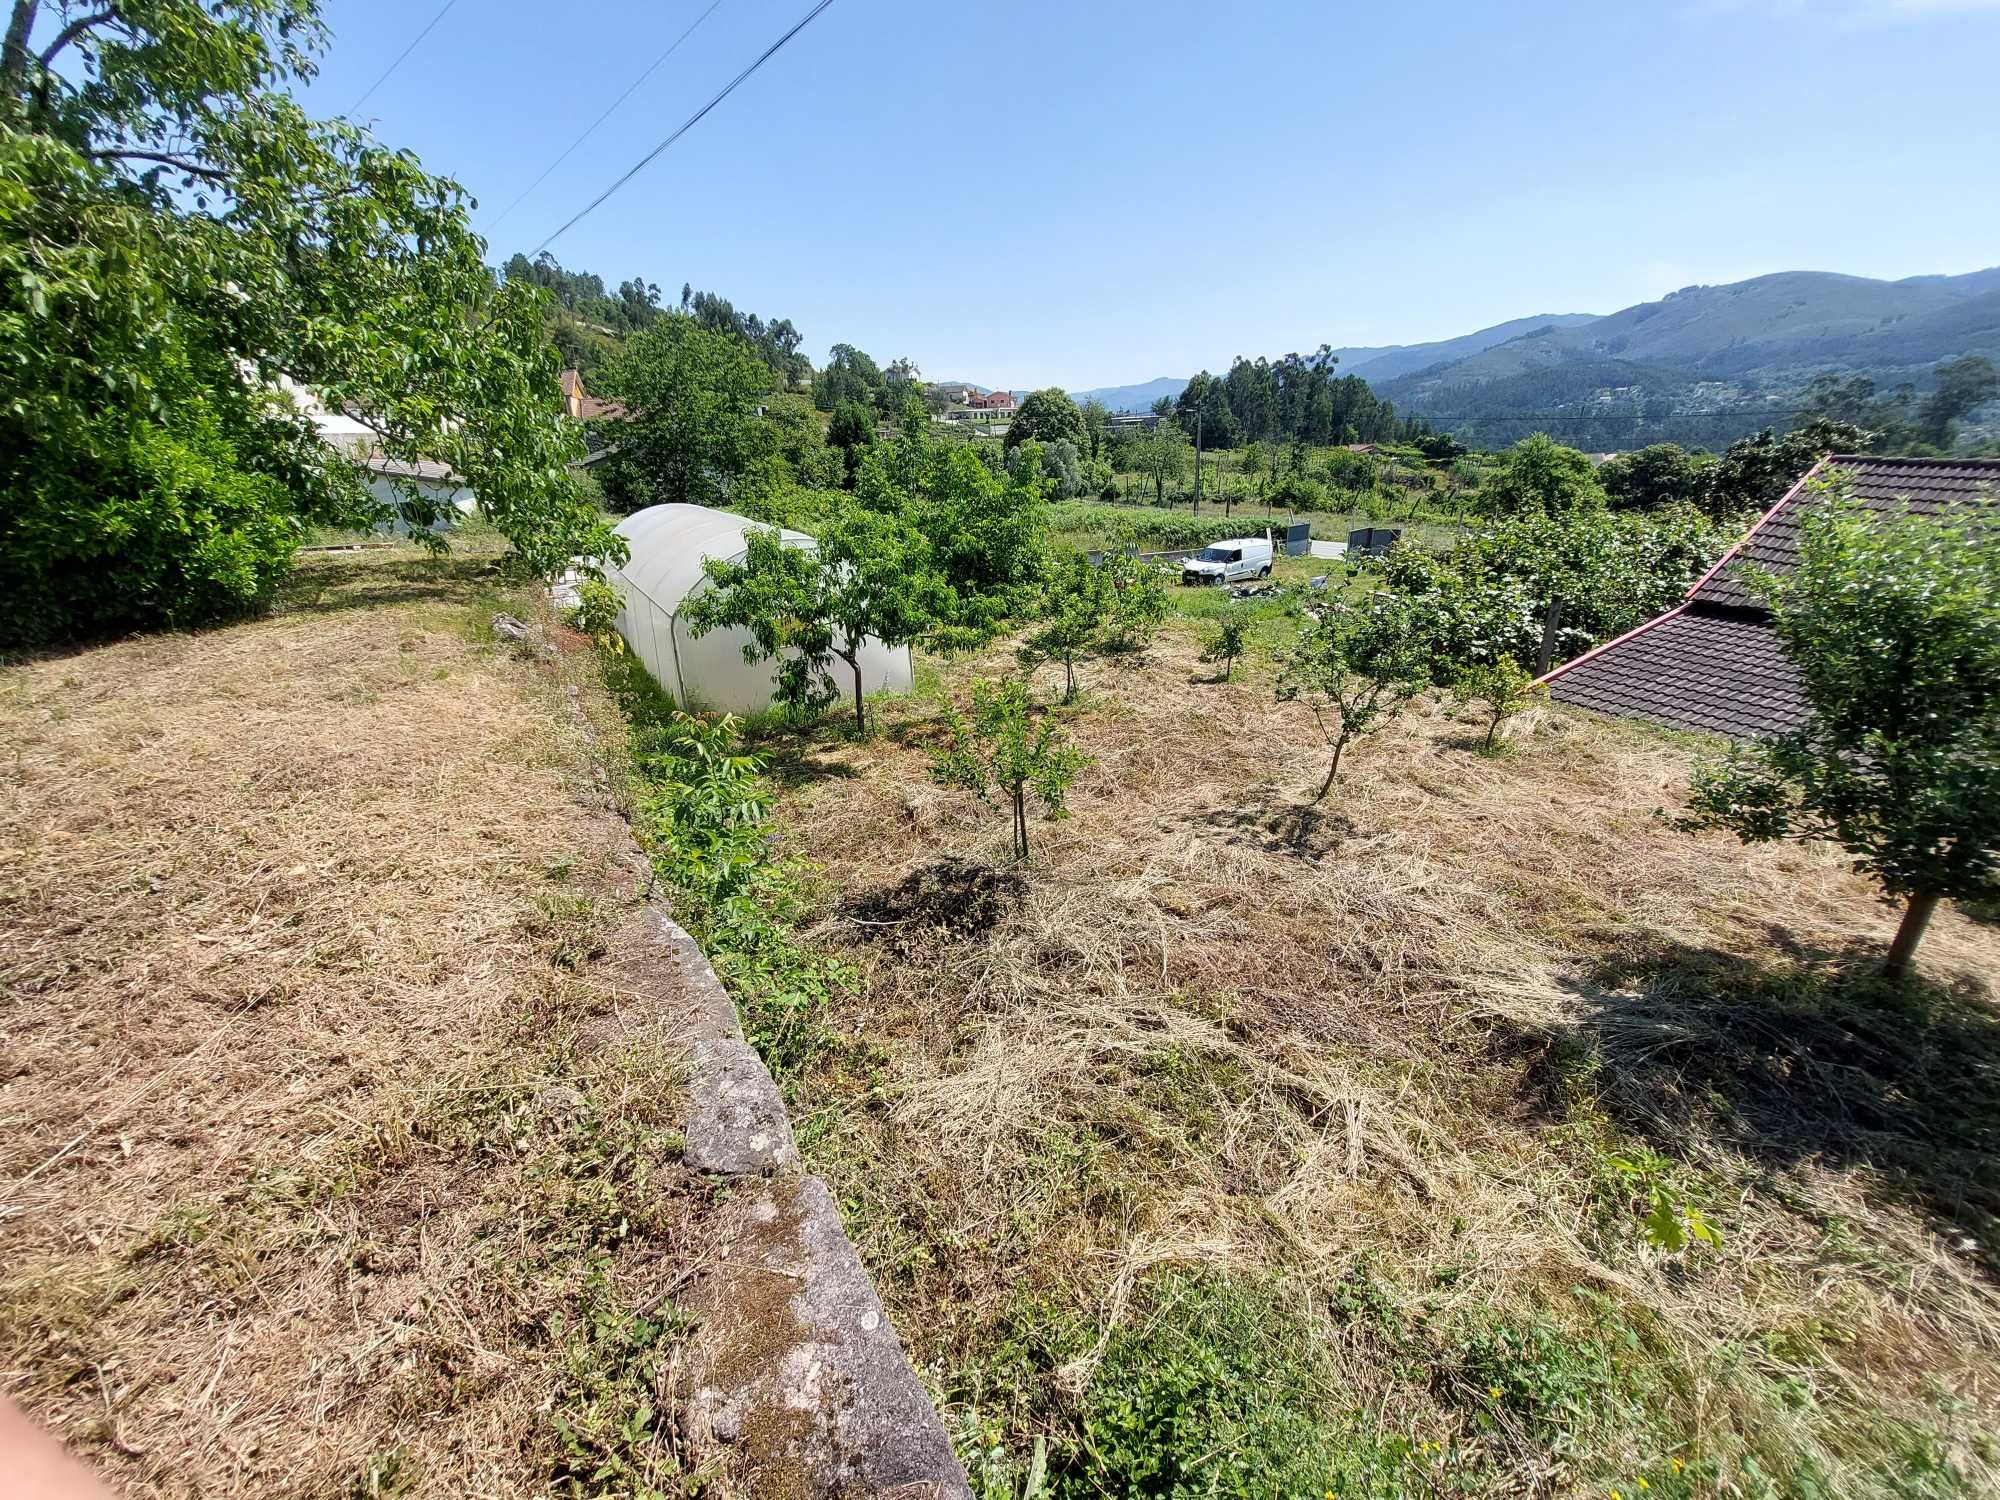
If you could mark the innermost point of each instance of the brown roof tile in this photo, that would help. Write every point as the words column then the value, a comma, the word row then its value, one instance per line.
column 1883, row 484
column 1694, row 669
column 1713, row 662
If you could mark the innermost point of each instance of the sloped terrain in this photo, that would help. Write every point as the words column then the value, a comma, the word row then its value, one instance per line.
column 1472, row 1132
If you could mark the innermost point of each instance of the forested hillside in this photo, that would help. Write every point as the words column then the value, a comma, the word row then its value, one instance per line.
column 1708, row 364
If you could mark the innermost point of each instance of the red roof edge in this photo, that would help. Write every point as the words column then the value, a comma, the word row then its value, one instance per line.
column 1720, row 563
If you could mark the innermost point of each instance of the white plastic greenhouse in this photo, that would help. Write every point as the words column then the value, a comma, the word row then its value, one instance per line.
column 669, row 545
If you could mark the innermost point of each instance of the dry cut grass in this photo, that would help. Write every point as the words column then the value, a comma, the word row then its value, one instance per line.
column 1436, row 1042
column 301, row 1190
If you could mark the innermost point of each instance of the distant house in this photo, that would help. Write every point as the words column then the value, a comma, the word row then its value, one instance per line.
column 954, row 391
column 1713, row 662
column 993, row 403
column 584, row 407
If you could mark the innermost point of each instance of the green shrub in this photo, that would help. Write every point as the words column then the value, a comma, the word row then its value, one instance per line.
column 1218, row 1387
column 702, row 810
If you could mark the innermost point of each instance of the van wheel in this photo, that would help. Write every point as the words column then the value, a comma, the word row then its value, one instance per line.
column 1267, row 571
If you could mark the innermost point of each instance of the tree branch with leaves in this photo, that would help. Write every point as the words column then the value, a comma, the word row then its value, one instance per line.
column 1356, row 667
column 1893, row 624
column 1003, row 752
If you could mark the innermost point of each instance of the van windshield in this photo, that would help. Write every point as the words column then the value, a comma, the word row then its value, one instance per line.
column 1221, row 554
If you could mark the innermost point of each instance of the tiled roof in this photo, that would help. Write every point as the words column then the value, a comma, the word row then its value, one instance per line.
column 1693, row 669
column 1925, row 485
column 1713, row 662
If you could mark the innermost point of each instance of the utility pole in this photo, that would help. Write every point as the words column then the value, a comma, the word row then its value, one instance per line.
column 1197, row 460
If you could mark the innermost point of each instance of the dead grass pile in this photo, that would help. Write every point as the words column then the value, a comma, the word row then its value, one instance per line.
column 297, row 914
column 1427, row 1029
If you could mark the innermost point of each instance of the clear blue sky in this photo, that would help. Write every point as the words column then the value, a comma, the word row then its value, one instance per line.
column 1085, row 194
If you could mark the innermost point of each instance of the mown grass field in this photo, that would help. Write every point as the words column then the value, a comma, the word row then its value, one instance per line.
column 304, row 1187
column 1237, row 1147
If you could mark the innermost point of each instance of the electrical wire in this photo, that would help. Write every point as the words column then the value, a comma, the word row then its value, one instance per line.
column 689, row 124
column 400, row 56
column 592, row 127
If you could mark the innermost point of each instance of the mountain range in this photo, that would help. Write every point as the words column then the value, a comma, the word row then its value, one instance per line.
column 1703, row 364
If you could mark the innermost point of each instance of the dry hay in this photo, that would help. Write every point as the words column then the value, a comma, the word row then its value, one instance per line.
column 292, row 917
column 1214, row 1033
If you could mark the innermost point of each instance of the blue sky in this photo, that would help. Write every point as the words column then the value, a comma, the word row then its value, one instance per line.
column 1090, row 194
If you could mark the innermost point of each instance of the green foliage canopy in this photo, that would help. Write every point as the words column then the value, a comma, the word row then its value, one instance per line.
column 1894, row 626
column 1539, row 476
column 690, row 428
column 178, row 240
column 1047, row 416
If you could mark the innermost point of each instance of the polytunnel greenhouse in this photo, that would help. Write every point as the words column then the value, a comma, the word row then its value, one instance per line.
column 670, row 543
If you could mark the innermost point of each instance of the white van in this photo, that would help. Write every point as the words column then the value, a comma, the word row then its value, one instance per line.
column 1225, row 562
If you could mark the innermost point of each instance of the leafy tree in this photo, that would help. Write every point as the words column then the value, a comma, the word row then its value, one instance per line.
column 1075, row 601
column 849, row 375
column 178, row 241
column 1485, row 598
column 986, row 533
column 1439, row 447
column 690, row 428
column 1047, row 416
column 1654, row 477
column 798, row 439
column 1001, row 750
column 1024, row 463
column 1503, row 686
column 852, row 431
column 1163, row 456
column 1755, row 472
column 870, row 576
column 1225, row 646
column 1062, row 469
column 1894, row 626
column 1539, row 476
column 1138, row 604
column 1356, row 667
column 1094, row 415
column 1963, row 386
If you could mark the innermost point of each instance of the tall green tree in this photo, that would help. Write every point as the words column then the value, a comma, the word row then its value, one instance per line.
column 1656, row 476
column 852, row 432
column 1539, row 476
column 181, row 248
column 1894, row 626
column 1047, row 416
column 1754, row 472
column 1163, row 456
column 690, row 428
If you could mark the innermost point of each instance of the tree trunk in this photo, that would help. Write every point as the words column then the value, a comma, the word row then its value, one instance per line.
column 860, row 710
column 1332, row 771
column 1020, row 821
column 1069, row 680
column 1910, row 932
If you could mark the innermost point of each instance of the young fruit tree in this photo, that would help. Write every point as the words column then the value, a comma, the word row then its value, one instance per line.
column 1225, row 646
column 1138, row 602
column 871, row 575
column 1894, row 627
column 1355, row 667
column 1001, row 751
column 1075, row 598
column 1502, row 689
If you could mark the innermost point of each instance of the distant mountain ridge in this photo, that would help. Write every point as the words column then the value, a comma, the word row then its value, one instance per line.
column 1702, row 364
column 1383, row 362
column 1706, row 363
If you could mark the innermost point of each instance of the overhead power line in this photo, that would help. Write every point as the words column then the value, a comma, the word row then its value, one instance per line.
column 448, row 4
column 689, row 124
column 592, row 127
